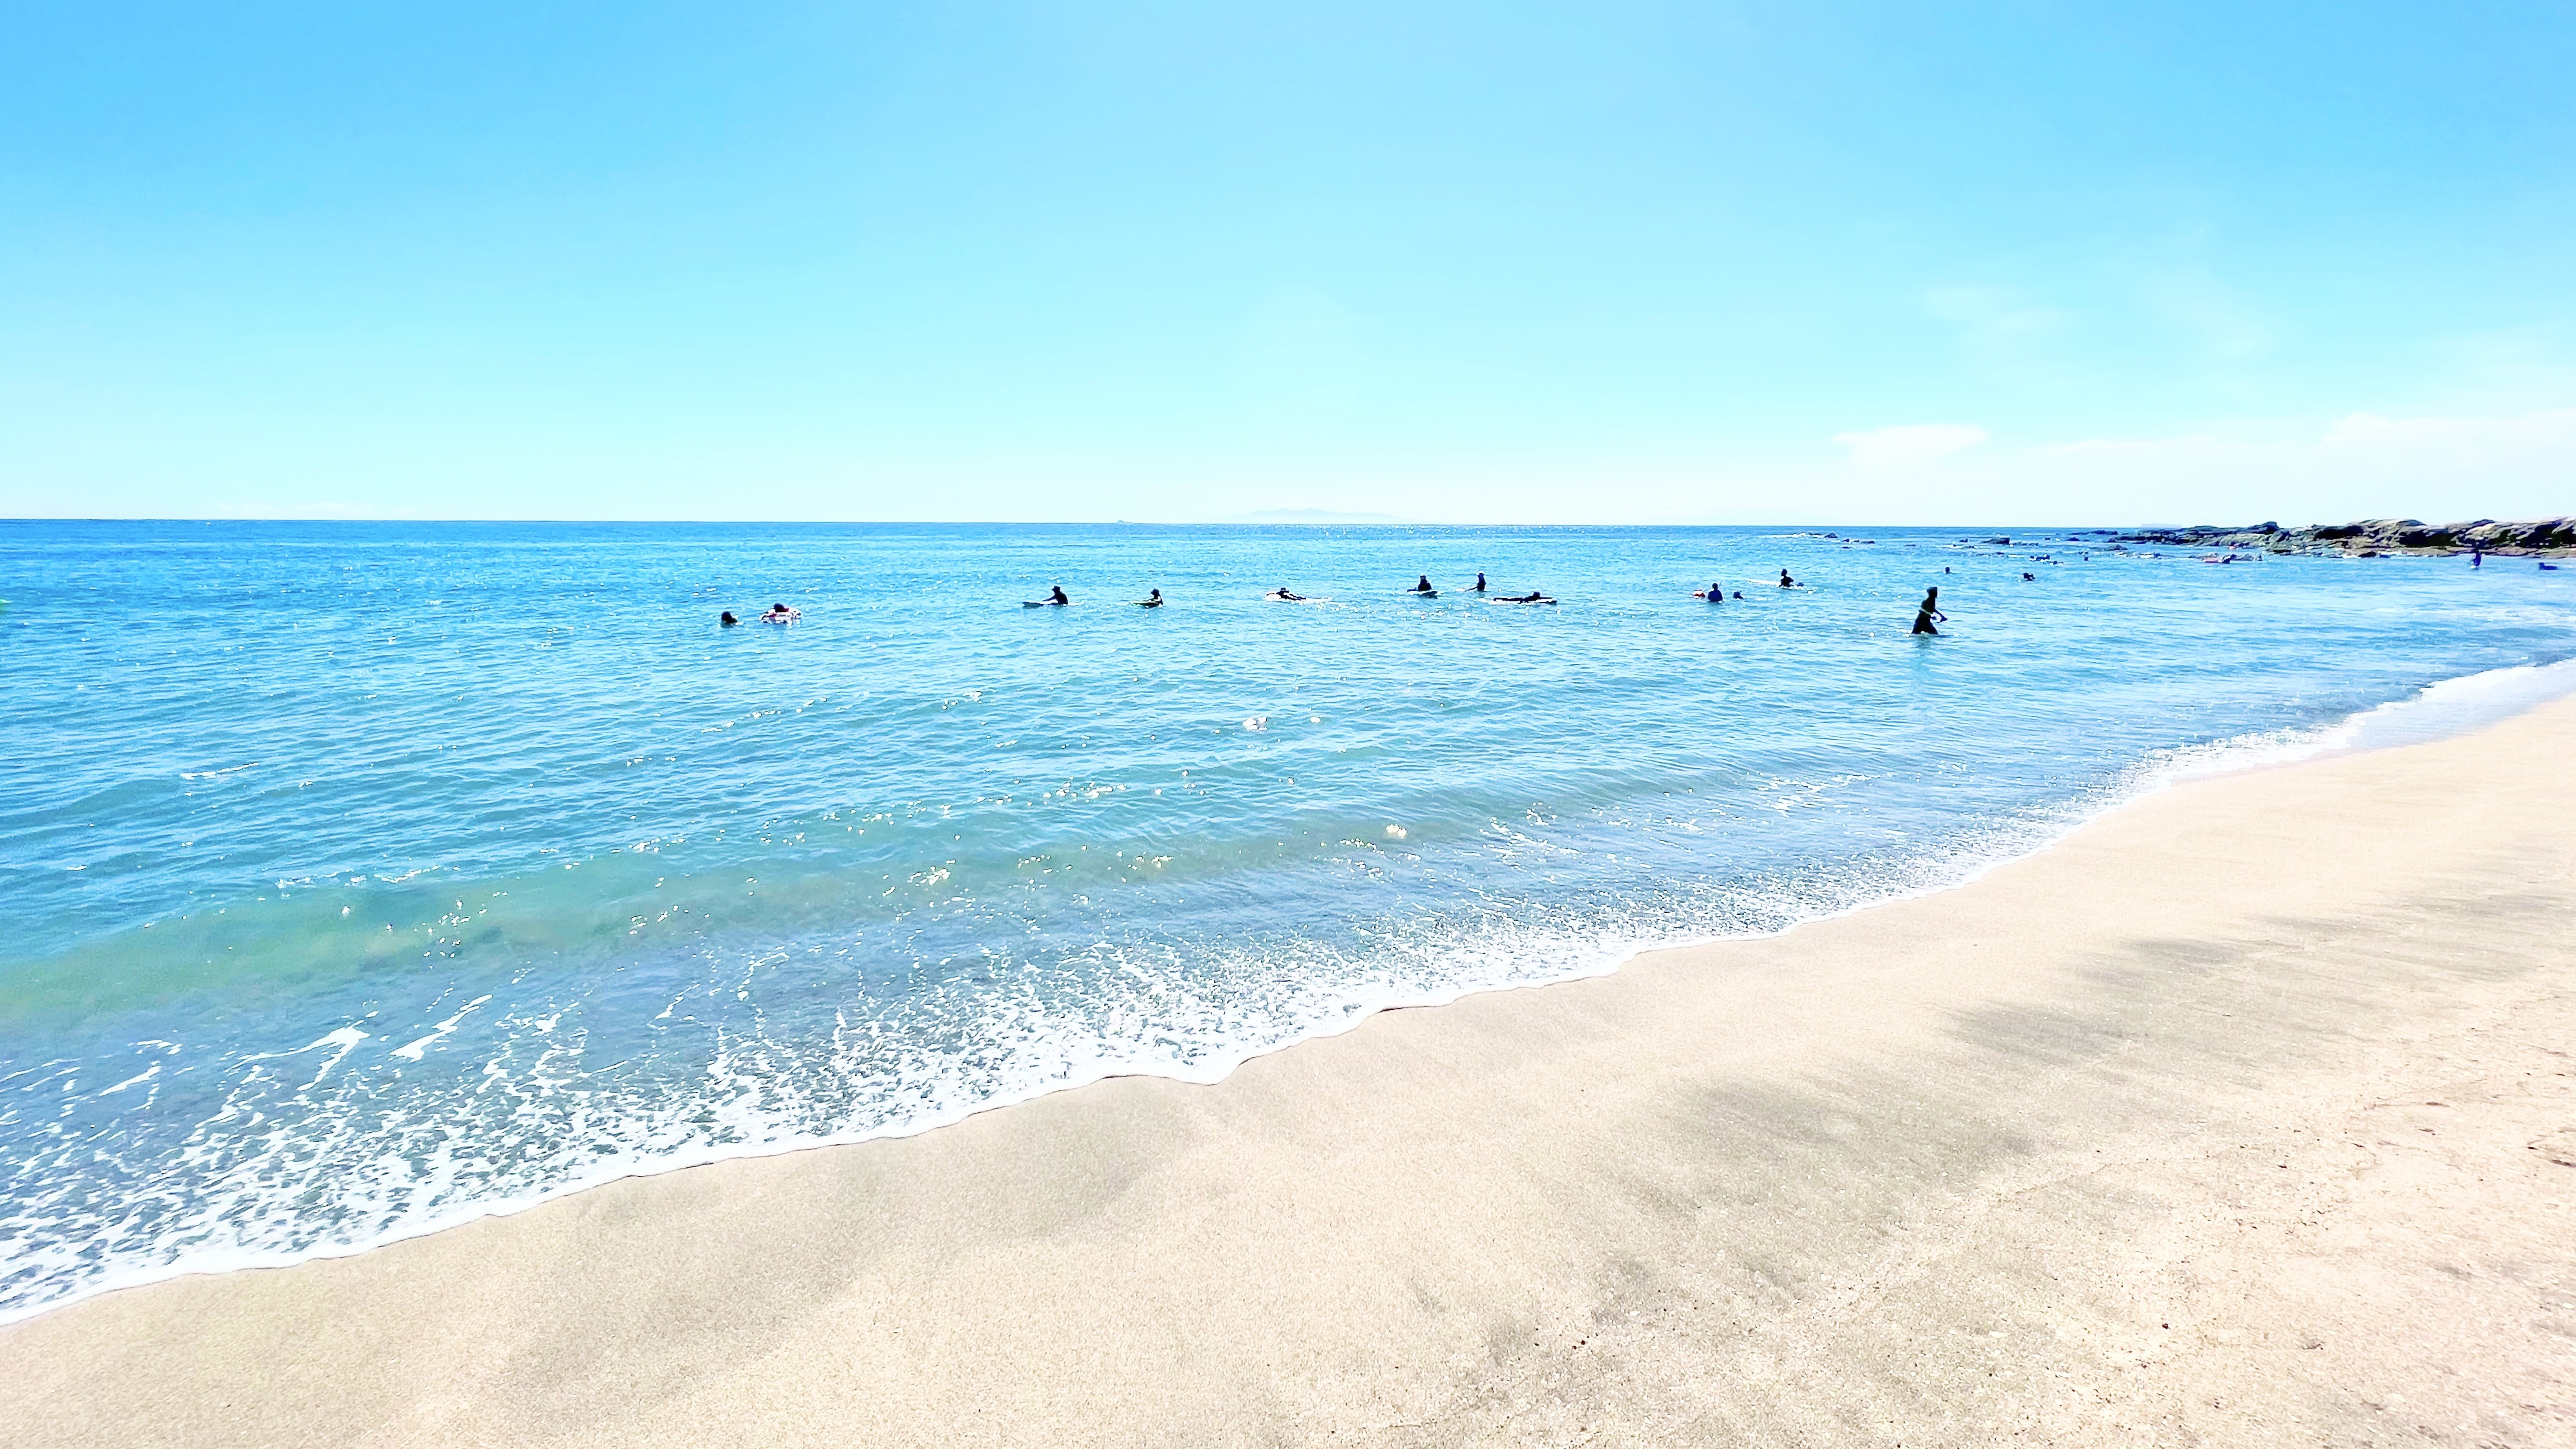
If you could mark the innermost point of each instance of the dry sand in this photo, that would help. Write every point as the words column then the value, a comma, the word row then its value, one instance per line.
column 2245, row 1116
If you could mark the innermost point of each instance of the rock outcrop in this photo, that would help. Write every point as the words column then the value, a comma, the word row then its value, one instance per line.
column 2375, row 536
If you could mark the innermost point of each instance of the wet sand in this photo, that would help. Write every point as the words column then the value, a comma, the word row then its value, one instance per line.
column 2245, row 1115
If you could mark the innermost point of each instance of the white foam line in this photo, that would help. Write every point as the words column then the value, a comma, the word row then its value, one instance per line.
column 411, row 1050
column 2156, row 772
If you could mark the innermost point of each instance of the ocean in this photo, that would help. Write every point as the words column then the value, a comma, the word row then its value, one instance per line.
column 361, row 879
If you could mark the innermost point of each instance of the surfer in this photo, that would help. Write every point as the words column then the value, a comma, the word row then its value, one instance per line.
column 780, row 614
column 1787, row 582
column 2029, row 578
column 1929, row 610
column 1422, row 585
column 727, row 619
column 1282, row 596
column 1716, row 594
column 1532, row 597
column 1153, row 599
column 1480, row 583
column 2477, row 558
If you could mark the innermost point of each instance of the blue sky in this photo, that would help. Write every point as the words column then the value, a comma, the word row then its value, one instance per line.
column 1492, row 262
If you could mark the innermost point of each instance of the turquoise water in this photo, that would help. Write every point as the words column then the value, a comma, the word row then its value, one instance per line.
column 356, row 879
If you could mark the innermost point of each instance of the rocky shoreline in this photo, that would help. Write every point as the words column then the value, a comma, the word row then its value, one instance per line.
column 2373, row 537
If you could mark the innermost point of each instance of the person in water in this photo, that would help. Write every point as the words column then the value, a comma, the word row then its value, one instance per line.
column 1480, row 583
column 1532, row 597
column 1281, row 595
column 1422, row 585
column 2029, row 578
column 779, row 614
column 1716, row 594
column 1055, row 595
column 1929, row 610
column 727, row 619
column 1153, row 600
column 2477, row 559
column 1787, row 582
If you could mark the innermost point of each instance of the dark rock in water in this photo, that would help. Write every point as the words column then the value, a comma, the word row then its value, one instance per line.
column 2374, row 537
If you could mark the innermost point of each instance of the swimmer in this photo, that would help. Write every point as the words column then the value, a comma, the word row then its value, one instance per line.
column 1282, row 596
column 1153, row 600
column 2030, row 578
column 1787, row 582
column 1480, row 583
column 1423, row 587
column 780, row 614
column 1739, row 596
column 726, row 619
column 1929, row 610
column 1715, row 594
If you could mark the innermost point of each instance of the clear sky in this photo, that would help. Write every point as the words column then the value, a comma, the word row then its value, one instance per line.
column 1594, row 262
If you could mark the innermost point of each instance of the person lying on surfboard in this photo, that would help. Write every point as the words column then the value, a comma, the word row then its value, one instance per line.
column 1282, row 596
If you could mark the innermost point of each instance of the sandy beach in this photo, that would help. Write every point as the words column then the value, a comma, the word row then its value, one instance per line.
column 2245, row 1115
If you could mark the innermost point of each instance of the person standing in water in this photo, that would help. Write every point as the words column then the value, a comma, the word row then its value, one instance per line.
column 2477, row 558
column 1929, row 610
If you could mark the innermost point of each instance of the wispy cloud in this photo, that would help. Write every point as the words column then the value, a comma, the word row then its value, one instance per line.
column 1995, row 313
column 2227, row 323
column 1917, row 443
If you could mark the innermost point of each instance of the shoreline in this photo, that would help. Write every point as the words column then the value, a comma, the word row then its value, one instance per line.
column 1833, row 1182
column 2159, row 771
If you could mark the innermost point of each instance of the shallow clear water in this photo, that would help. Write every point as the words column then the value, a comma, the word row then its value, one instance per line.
column 360, row 878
